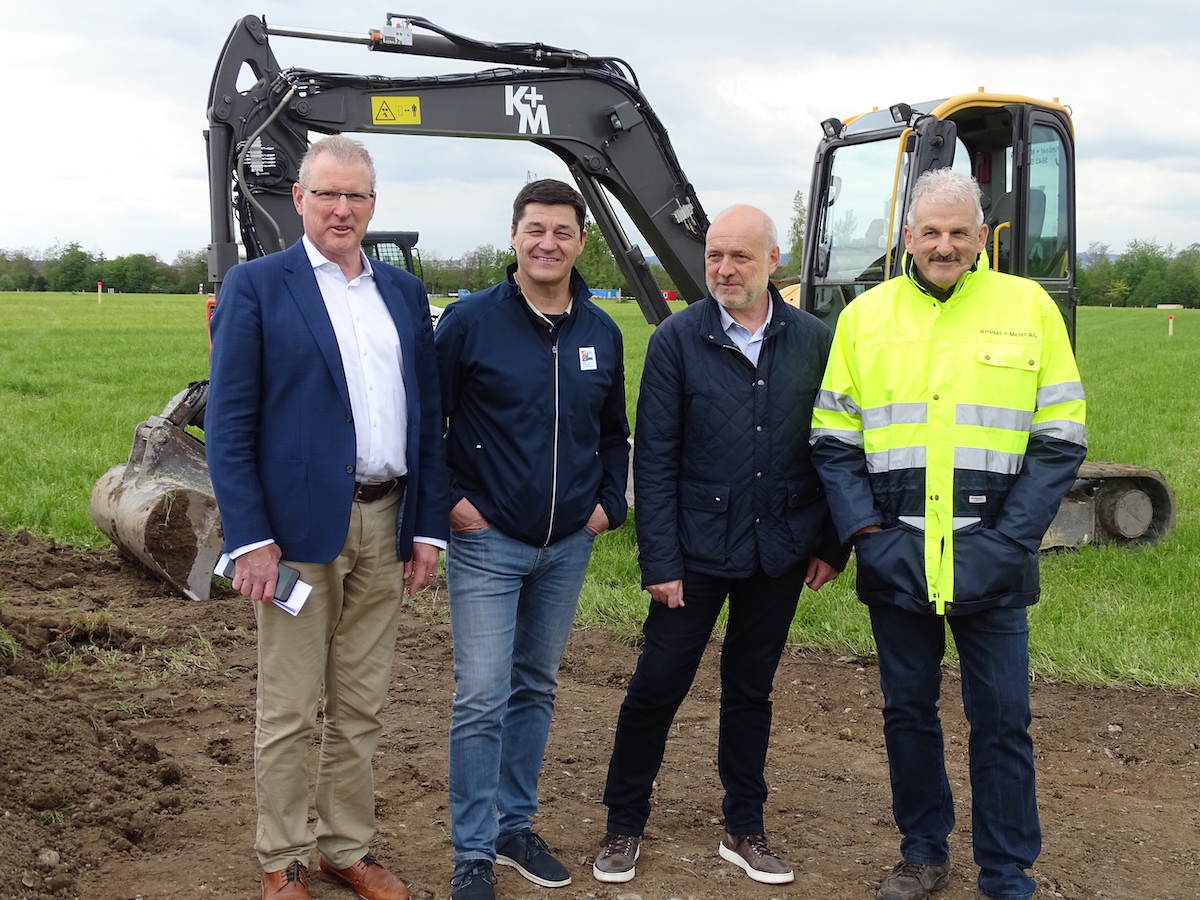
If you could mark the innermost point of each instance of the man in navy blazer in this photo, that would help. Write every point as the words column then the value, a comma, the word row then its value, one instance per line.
column 324, row 441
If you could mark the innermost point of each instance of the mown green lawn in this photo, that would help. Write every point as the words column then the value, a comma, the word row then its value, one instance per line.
column 76, row 376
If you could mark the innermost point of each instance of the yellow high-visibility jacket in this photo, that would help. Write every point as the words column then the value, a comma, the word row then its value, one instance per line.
column 957, row 425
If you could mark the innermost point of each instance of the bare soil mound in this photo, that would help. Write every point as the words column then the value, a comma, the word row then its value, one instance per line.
column 126, row 761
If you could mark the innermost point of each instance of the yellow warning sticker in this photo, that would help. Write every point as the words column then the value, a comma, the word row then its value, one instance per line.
column 396, row 110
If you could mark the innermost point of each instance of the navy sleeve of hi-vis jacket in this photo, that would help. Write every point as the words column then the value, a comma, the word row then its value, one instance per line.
column 1047, row 473
column 843, row 471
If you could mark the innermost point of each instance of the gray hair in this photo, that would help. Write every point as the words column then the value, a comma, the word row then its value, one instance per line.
column 341, row 148
column 945, row 186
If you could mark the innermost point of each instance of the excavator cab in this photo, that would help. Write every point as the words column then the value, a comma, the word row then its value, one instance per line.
column 1021, row 152
column 395, row 248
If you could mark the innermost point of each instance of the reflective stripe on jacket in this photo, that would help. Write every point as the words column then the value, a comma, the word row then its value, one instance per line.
column 956, row 425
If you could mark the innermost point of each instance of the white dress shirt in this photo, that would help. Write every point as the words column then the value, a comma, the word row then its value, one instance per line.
column 749, row 344
column 372, row 360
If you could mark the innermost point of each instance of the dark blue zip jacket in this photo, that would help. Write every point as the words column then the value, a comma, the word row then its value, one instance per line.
column 536, row 431
column 722, row 476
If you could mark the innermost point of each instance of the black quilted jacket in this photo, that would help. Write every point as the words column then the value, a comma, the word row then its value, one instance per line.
column 722, row 479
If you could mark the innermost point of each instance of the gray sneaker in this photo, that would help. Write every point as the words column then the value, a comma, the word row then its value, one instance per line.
column 913, row 881
column 529, row 855
column 618, row 853
column 751, row 852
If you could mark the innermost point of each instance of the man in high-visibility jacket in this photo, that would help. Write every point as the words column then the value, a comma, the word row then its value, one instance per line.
column 949, row 426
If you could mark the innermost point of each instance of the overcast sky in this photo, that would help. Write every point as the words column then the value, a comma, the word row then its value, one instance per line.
column 105, row 105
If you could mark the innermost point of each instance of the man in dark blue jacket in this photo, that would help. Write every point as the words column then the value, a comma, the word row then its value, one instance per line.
column 533, row 385
column 728, row 506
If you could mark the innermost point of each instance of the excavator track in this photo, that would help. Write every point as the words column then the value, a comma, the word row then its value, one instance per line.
column 1113, row 503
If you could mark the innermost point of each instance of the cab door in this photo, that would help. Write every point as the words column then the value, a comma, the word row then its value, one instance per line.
column 1047, row 184
column 1029, row 193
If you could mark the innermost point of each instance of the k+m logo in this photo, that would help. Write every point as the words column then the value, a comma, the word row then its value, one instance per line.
column 526, row 102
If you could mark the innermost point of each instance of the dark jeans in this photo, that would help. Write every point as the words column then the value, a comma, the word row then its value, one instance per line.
column 993, row 650
column 760, row 611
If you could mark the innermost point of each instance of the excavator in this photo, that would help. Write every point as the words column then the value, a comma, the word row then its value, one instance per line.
column 158, row 507
column 1021, row 152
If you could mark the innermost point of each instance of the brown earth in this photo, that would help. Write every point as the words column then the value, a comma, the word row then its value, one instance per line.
column 126, row 764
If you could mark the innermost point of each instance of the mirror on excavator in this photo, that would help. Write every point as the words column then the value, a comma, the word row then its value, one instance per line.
column 1021, row 152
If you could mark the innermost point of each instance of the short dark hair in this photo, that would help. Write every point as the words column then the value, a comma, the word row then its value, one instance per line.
column 551, row 192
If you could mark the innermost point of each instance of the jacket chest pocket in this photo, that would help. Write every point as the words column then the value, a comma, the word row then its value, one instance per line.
column 1008, row 373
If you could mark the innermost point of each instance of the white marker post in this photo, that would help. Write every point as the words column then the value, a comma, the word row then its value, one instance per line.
column 1170, row 326
column 99, row 292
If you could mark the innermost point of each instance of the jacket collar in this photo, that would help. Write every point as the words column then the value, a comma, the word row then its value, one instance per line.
column 578, row 287
column 931, row 290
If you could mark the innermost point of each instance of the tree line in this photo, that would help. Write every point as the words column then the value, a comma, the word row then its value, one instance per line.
column 1146, row 274
column 68, row 267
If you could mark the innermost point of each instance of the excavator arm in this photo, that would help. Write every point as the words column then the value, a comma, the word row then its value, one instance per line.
column 159, row 507
column 587, row 111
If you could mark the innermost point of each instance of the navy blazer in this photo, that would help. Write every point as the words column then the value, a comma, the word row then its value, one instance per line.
column 278, row 427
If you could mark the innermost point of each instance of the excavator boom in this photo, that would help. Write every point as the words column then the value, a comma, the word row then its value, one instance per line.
column 158, row 507
column 587, row 111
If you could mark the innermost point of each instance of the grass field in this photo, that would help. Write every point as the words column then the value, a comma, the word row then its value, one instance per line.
column 76, row 376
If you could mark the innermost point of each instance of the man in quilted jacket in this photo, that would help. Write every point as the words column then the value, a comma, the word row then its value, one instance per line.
column 728, row 508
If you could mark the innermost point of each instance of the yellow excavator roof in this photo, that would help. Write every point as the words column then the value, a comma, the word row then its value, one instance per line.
column 947, row 106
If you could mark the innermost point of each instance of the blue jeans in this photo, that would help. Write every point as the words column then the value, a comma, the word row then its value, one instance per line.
column 993, row 650
column 761, row 609
column 512, row 606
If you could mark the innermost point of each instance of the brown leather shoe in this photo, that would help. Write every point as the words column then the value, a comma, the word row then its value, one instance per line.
column 286, row 884
column 367, row 878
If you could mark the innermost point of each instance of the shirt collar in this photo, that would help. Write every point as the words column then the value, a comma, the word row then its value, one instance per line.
column 317, row 259
column 727, row 321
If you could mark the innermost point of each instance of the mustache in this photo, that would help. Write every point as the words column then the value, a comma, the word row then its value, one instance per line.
column 949, row 257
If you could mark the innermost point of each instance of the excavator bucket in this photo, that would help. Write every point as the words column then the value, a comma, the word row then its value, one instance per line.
column 159, row 508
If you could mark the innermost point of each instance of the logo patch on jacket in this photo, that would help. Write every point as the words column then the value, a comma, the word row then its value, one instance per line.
column 977, row 498
column 587, row 359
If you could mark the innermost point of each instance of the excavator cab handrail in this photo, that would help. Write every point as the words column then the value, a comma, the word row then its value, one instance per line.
column 1000, row 226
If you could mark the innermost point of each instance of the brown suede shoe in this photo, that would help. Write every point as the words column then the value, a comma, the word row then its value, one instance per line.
column 367, row 878
column 286, row 884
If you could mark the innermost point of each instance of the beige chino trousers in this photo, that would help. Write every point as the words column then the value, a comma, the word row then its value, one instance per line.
column 342, row 643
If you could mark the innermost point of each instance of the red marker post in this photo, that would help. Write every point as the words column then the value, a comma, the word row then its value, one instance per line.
column 1170, row 326
column 99, row 285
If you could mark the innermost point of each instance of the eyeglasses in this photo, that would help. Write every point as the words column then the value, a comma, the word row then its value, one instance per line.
column 330, row 198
